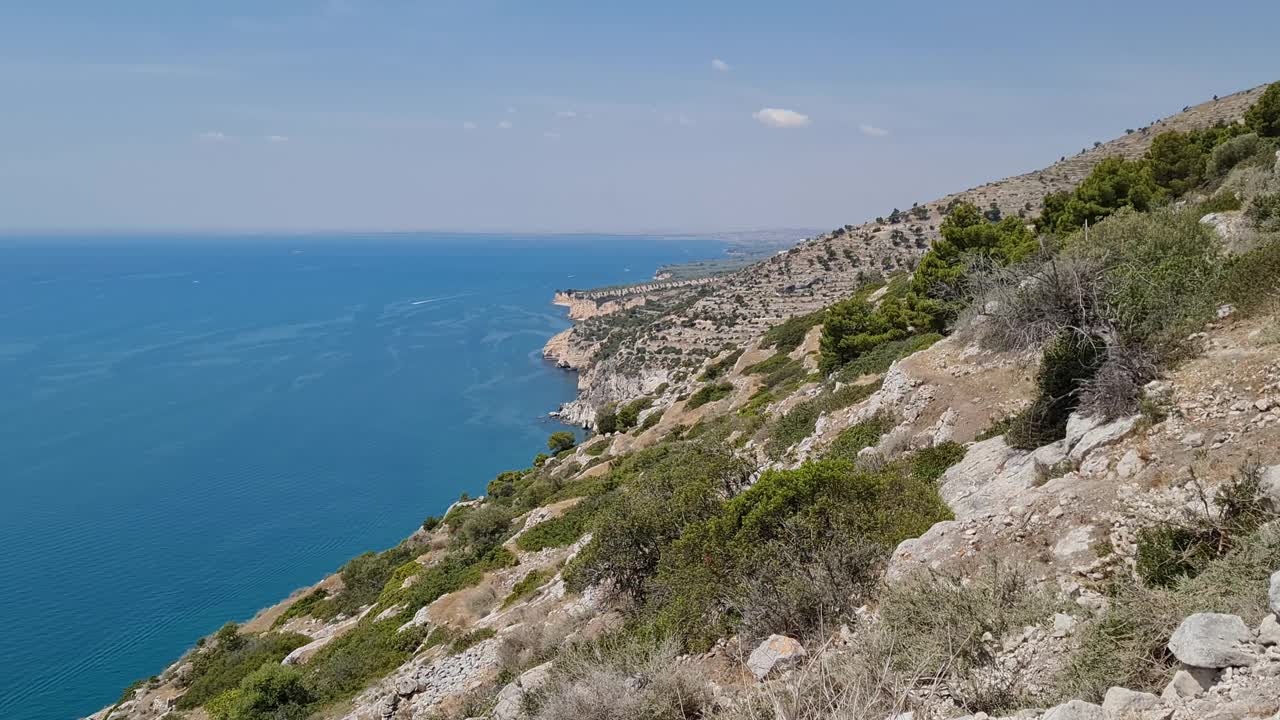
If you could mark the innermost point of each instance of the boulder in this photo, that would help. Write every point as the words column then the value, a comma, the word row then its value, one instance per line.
column 1189, row 683
column 1102, row 436
column 1274, row 595
column 1212, row 640
column 778, row 653
column 1076, row 710
column 1269, row 631
column 1123, row 704
column 1269, row 486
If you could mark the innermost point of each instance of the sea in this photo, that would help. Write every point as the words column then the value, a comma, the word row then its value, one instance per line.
column 195, row 426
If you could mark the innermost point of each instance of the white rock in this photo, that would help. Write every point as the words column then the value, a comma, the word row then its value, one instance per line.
column 1193, row 439
column 1102, row 436
column 1130, row 465
column 1063, row 624
column 1076, row 542
column 510, row 705
column 1274, row 595
column 1076, row 710
column 1269, row 631
column 777, row 653
column 1212, row 640
column 1188, row 684
column 1269, row 485
column 1123, row 704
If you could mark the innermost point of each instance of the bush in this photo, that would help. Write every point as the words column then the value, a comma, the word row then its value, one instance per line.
column 1113, row 184
column 527, row 585
column 880, row 358
column 1127, row 647
column 597, row 448
column 788, row 335
column 485, row 528
column 471, row 639
column 1264, row 117
column 629, row 414
column 1178, row 162
column 606, row 419
column 708, row 394
column 929, row 464
column 1235, row 151
column 1223, row 201
column 718, row 368
column 220, row 668
column 933, row 626
column 1264, row 210
column 1252, row 280
column 801, row 421
column 854, row 327
column 560, row 441
column 559, row 531
column 272, row 692
column 1067, row 363
column 624, row 680
column 720, row 557
column 856, row 438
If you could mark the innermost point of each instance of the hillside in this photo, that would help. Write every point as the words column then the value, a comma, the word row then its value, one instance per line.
column 965, row 464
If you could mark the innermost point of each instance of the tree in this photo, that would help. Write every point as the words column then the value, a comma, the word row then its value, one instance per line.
column 606, row 419
column 1264, row 117
column 560, row 441
column 272, row 692
column 1114, row 183
column 1177, row 162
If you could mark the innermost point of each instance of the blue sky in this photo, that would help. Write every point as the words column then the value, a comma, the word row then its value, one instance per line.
column 546, row 115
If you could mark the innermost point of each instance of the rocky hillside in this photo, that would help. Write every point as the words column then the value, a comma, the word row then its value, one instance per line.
column 1037, row 476
column 623, row 355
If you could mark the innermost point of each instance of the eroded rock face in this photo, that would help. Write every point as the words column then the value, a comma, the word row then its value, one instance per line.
column 1212, row 640
column 1273, row 595
column 776, row 654
column 511, row 698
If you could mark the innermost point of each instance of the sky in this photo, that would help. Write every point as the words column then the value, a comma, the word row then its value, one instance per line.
column 549, row 115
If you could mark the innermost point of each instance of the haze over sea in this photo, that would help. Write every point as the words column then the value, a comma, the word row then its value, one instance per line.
column 193, row 427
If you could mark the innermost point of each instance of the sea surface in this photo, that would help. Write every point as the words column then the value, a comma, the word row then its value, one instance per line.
column 193, row 427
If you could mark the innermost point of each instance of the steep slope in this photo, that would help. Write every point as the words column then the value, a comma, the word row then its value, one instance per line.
column 626, row 354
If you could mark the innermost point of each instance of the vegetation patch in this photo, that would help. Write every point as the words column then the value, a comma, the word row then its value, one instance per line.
column 789, row 335
column 708, row 394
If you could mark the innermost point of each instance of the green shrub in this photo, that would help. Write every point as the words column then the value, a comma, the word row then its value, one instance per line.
column 220, row 668
column 1178, row 161
column 708, row 394
column 788, row 335
column 929, row 464
column 272, row 692
column 717, row 369
column 431, row 522
column 800, row 422
column 719, row 557
column 560, row 441
column 1128, row 645
column 1264, row 210
column 651, row 420
column 1166, row 554
column 1223, row 201
column 1113, row 184
column 606, row 419
column 854, row 327
column 770, row 365
column 471, row 639
column 484, row 528
column 629, row 414
column 1067, row 363
column 369, row 650
column 855, row 438
column 1236, row 151
column 597, row 448
column 527, row 585
column 1263, row 117
column 559, row 531
column 998, row 426
column 1252, row 280
column 879, row 359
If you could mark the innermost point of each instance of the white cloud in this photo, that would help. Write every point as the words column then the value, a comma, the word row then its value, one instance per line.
column 505, row 125
column 213, row 136
column 567, row 114
column 780, row 118
column 720, row 65
column 872, row 130
column 468, row 125
column 277, row 138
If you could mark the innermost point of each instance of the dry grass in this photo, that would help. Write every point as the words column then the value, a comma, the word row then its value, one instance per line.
column 624, row 681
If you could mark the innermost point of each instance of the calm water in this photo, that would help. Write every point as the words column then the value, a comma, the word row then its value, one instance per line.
column 192, row 427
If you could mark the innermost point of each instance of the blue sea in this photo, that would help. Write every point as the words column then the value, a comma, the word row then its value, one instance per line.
column 193, row 427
